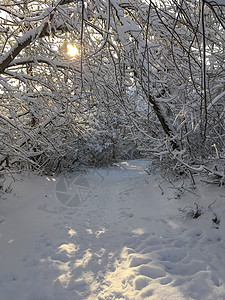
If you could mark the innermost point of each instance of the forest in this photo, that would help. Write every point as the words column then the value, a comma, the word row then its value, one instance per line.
column 146, row 79
column 112, row 149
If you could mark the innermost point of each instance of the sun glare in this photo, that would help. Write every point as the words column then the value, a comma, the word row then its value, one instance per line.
column 72, row 50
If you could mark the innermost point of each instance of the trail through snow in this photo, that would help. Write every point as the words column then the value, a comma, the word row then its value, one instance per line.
column 126, row 240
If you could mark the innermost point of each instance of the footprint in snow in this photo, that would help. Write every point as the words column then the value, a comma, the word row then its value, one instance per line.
column 141, row 282
column 165, row 280
column 173, row 255
column 182, row 269
column 136, row 261
column 151, row 272
column 147, row 293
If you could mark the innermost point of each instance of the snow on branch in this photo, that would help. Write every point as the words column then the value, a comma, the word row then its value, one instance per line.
column 202, row 168
column 4, row 84
column 41, row 59
column 215, row 100
column 21, row 44
column 216, row 2
column 30, row 36
column 10, row 12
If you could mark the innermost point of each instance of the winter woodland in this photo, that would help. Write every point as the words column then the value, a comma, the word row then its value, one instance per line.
column 133, row 93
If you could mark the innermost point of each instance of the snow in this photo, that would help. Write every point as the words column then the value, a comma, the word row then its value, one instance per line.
column 122, row 237
column 216, row 2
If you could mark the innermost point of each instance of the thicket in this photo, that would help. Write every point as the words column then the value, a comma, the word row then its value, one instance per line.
column 148, row 81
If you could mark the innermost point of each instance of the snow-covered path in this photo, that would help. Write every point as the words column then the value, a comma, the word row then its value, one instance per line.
column 127, row 240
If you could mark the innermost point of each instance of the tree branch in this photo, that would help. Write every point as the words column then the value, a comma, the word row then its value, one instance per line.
column 29, row 37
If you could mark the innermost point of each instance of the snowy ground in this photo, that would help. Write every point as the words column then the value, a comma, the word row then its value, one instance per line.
column 126, row 240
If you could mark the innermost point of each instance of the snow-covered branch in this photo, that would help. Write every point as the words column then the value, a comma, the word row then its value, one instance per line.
column 30, row 36
column 41, row 59
column 215, row 2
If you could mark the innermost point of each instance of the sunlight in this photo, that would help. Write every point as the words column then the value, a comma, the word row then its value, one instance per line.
column 84, row 260
column 72, row 232
column 138, row 231
column 64, row 279
column 72, row 50
column 68, row 248
column 100, row 231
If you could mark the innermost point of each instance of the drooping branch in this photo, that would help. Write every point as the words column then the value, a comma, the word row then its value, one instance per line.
column 41, row 59
column 23, row 42
column 30, row 36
